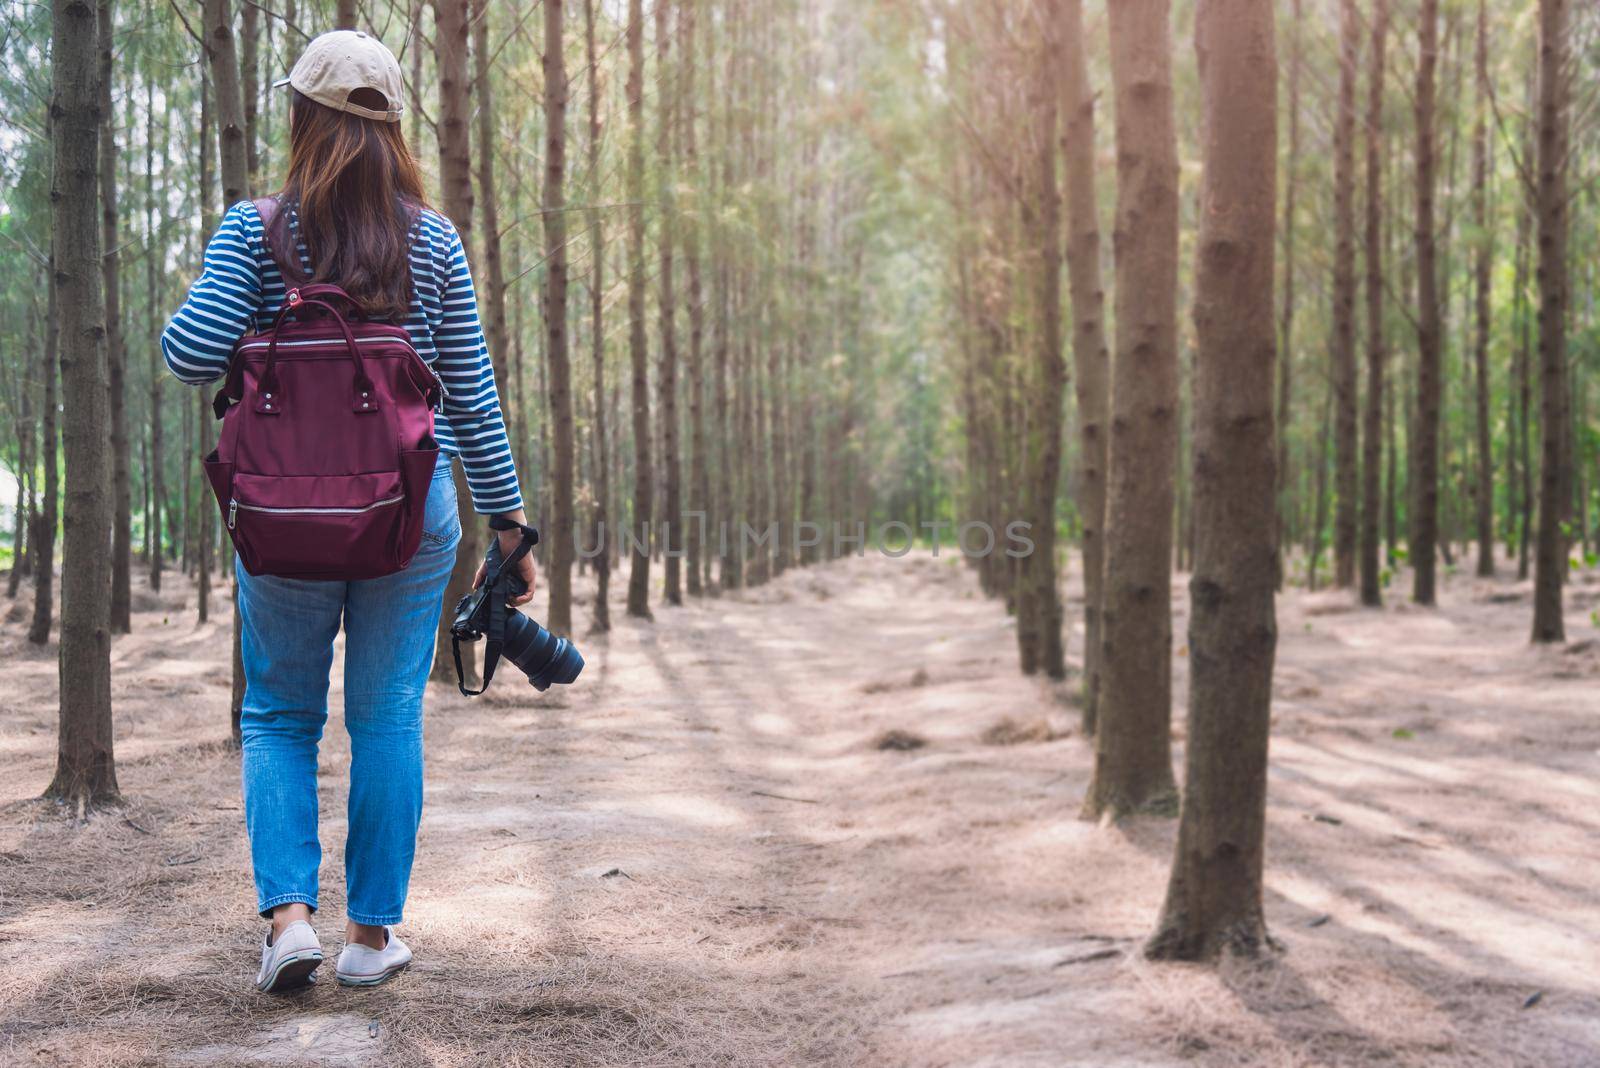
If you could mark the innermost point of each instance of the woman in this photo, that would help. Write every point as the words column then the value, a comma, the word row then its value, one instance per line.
column 351, row 212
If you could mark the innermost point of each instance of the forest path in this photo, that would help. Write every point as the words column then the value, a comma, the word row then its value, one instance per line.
column 713, row 850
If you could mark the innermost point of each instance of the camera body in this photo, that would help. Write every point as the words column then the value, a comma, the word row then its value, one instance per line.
column 487, row 613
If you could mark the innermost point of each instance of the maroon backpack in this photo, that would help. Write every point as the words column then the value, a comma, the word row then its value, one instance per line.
column 327, row 448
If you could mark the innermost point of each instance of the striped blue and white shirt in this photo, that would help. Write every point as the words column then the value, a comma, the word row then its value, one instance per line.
column 240, row 288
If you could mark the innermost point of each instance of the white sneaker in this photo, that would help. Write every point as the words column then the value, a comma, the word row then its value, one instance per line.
column 364, row 966
column 288, row 963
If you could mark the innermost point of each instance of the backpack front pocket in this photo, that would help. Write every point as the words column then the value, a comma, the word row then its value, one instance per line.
column 317, row 526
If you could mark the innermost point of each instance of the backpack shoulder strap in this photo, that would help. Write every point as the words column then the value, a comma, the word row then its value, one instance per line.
column 266, row 207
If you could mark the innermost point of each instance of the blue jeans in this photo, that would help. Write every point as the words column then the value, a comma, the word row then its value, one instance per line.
column 287, row 635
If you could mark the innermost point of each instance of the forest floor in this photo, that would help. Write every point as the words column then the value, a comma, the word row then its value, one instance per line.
column 827, row 822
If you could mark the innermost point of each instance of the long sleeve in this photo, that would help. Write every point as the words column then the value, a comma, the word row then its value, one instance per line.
column 472, row 406
column 222, row 303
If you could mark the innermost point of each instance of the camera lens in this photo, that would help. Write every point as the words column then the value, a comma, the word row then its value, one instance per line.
column 542, row 656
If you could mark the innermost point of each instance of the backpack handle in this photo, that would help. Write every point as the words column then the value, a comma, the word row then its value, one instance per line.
column 297, row 299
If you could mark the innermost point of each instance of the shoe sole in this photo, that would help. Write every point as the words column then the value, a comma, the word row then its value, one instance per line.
column 294, row 972
column 373, row 980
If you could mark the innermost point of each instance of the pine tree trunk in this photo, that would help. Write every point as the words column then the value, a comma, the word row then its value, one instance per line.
column 597, row 262
column 229, row 103
column 493, row 291
column 1523, row 514
column 153, row 516
column 250, row 86
column 1343, row 348
column 346, row 16
column 21, row 535
column 116, row 354
column 729, row 574
column 1039, row 616
column 1285, row 367
column 555, row 317
column 1377, row 351
column 451, row 21
column 46, row 519
column 1214, row 895
column 1482, row 279
column 1425, row 442
column 1551, row 204
column 667, row 383
column 85, row 774
column 638, row 350
column 1133, row 745
column 689, row 238
column 1089, row 356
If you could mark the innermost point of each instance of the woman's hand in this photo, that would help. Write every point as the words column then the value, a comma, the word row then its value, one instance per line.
column 509, row 540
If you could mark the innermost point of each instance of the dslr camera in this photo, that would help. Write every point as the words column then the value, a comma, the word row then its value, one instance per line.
column 486, row 612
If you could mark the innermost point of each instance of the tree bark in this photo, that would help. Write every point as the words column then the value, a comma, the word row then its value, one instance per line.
column 1425, row 492
column 85, row 774
column 250, row 86
column 494, row 289
column 152, row 268
column 116, row 353
column 667, row 382
column 597, row 263
column 1343, row 349
column 1377, row 352
column 1285, row 368
column 1133, row 746
column 346, row 16
column 1484, row 265
column 224, row 60
column 555, row 317
column 689, row 237
column 1551, row 203
column 1089, row 356
column 451, row 19
column 1039, row 604
column 1214, row 895
column 45, row 519
column 638, row 350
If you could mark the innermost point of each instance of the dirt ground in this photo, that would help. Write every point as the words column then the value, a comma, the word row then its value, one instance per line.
column 715, row 850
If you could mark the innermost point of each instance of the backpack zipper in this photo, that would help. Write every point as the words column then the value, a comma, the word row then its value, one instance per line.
column 234, row 506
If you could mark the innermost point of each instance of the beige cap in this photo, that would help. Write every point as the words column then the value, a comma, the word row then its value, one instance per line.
column 342, row 61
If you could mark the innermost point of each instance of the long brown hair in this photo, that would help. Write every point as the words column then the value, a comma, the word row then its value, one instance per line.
column 355, row 189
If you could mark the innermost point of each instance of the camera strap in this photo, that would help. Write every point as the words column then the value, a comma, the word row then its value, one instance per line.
column 493, row 642
column 491, row 657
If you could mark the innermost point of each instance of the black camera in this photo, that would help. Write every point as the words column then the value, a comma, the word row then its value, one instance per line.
column 486, row 612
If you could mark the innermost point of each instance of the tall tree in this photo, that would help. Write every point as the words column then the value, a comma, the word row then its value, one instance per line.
column 597, row 336
column 1551, row 203
column 1214, row 895
column 1089, row 356
column 555, row 315
column 638, row 350
column 1377, row 353
column 46, row 518
column 1039, row 600
column 689, row 238
column 346, row 17
column 451, row 19
column 1482, row 277
column 116, row 353
column 224, row 57
column 1343, row 349
column 1425, row 440
column 1291, row 183
column 493, row 290
column 666, row 306
column 85, row 765
column 152, row 273
column 1133, row 745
